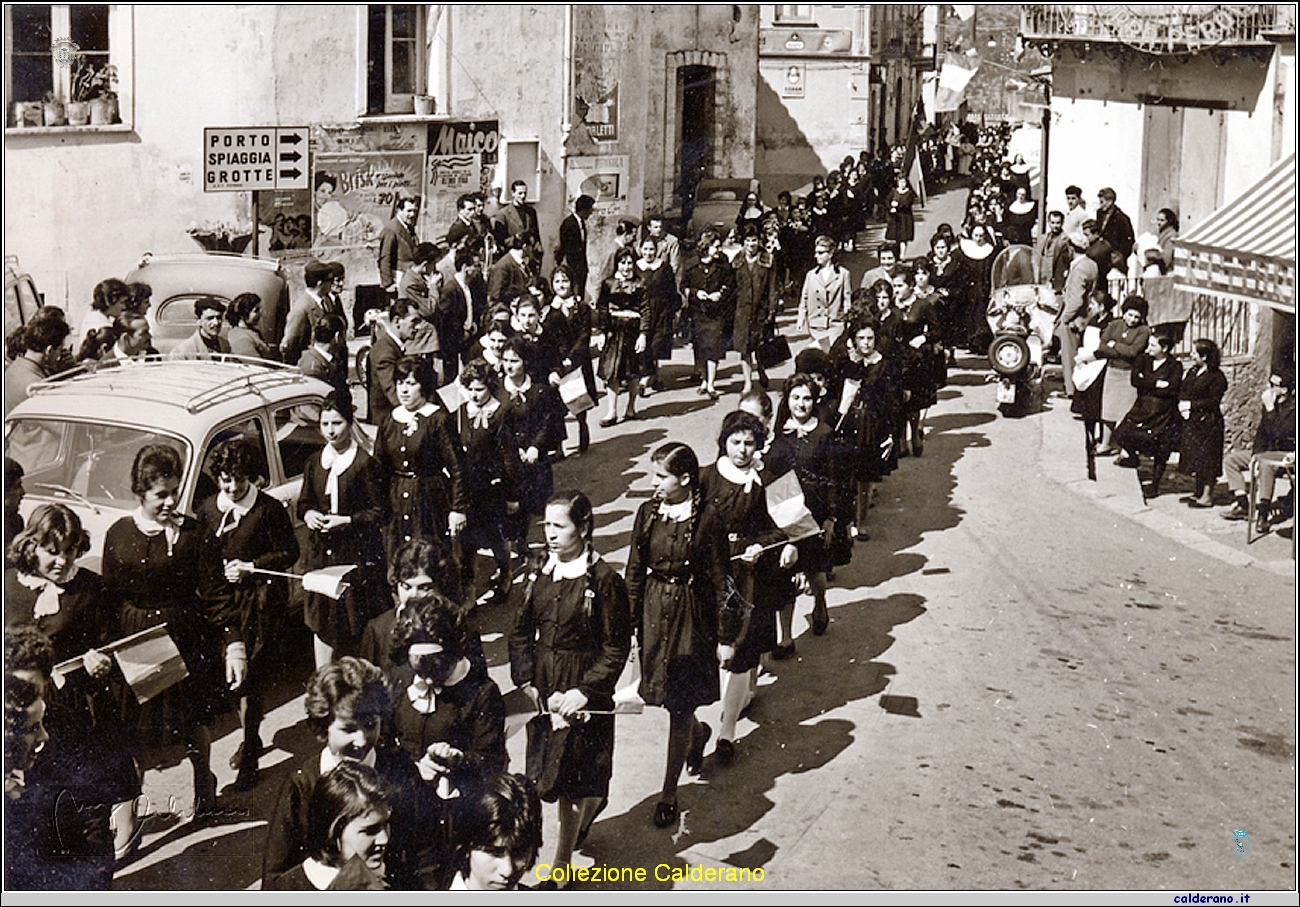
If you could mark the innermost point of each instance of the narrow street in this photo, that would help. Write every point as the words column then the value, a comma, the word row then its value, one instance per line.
column 1029, row 681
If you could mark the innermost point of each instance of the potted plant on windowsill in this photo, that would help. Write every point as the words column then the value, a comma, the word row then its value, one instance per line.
column 93, row 98
column 54, row 113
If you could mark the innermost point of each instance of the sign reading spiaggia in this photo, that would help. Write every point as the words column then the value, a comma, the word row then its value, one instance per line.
column 243, row 158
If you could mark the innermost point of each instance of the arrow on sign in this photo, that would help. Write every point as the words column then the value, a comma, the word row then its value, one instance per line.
column 292, row 157
column 292, row 138
column 290, row 174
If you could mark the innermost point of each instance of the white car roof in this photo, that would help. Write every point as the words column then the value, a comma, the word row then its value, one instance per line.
column 180, row 396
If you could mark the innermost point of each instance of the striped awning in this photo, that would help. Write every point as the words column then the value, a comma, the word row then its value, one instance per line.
column 1246, row 249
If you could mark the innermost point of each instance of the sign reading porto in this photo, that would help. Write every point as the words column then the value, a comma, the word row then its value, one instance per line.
column 239, row 159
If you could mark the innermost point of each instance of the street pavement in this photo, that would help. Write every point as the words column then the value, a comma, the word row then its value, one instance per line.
column 1030, row 681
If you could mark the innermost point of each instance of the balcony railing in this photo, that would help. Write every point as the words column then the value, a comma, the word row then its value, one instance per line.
column 1159, row 29
column 1225, row 321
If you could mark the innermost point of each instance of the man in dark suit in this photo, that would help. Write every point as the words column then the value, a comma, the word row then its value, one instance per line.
column 1099, row 250
column 508, row 278
column 393, row 330
column 397, row 243
column 572, row 249
column 1114, row 227
column 465, row 224
column 516, row 217
column 315, row 304
column 455, row 313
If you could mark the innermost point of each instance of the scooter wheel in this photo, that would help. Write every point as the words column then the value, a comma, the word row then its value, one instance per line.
column 1009, row 355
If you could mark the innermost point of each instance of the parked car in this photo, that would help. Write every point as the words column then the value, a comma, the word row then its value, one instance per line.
column 178, row 280
column 76, row 437
column 717, row 204
column 21, row 296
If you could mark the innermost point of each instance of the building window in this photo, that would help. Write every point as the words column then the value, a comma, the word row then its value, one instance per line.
column 33, row 68
column 397, row 58
column 791, row 14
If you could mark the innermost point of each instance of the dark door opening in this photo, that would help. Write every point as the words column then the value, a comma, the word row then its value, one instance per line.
column 695, row 88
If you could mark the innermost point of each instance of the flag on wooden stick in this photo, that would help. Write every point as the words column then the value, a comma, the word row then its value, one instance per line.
column 789, row 509
column 150, row 662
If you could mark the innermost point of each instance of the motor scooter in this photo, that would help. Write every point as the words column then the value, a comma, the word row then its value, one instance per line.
column 1021, row 315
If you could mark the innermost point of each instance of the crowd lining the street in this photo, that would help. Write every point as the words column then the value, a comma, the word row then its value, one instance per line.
column 412, row 788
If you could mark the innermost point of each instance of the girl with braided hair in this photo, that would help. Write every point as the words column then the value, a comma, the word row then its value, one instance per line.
column 569, row 643
column 676, row 577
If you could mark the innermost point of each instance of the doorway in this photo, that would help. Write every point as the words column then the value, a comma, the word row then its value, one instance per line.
column 696, row 93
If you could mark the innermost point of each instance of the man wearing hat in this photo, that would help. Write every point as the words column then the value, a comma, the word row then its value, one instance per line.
column 307, row 311
column 1079, row 283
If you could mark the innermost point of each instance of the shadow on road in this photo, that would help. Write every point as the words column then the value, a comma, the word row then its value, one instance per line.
column 794, row 736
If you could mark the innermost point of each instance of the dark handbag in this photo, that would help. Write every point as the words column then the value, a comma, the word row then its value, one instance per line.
column 772, row 352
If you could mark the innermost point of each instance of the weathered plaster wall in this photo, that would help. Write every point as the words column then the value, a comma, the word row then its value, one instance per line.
column 80, row 208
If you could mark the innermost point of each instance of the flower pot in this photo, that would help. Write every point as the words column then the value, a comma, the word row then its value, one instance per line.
column 29, row 114
column 78, row 113
column 54, row 114
column 101, row 112
column 424, row 105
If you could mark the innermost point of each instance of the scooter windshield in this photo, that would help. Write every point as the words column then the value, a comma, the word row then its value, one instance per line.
column 1014, row 266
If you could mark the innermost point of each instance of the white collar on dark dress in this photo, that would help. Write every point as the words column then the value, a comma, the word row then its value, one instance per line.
column 737, row 476
column 574, row 569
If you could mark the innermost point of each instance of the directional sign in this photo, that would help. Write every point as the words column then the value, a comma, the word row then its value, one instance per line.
column 239, row 159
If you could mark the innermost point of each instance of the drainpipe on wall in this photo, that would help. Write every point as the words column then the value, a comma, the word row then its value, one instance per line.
column 566, row 121
column 440, row 64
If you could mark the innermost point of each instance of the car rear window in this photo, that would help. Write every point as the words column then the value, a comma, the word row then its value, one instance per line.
column 180, row 309
column 82, row 462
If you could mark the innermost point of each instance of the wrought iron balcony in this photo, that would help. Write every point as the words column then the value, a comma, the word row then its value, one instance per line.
column 1159, row 28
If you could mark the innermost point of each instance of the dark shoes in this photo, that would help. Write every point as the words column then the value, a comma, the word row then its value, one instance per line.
column 1262, row 518
column 247, row 778
column 725, row 752
column 821, row 619
column 1238, row 512
column 1128, row 461
column 665, row 814
column 695, row 758
column 237, row 760
column 781, row 653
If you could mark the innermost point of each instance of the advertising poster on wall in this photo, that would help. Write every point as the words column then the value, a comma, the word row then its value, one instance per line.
column 357, row 173
column 604, row 55
column 458, row 140
column 603, row 177
column 287, row 214
column 447, row 178
column 796, row 74
column 354, row 194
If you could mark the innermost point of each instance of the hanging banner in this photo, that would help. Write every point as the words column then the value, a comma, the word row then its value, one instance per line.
column 603, row 177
